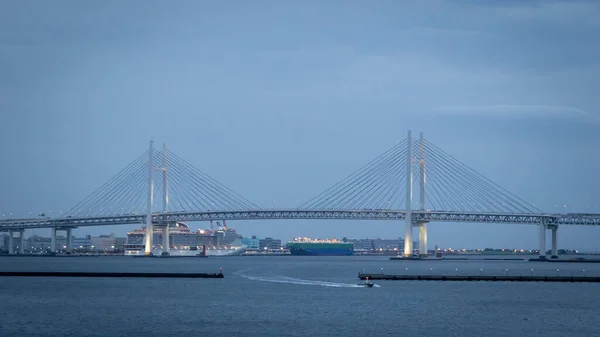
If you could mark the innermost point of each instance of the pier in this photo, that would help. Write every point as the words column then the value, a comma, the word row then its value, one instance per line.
column 498, row 278
column 109, row 274
column 578, row 260
column 402, row 258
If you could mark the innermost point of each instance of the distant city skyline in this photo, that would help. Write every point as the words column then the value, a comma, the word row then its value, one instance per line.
column 33, row 233
column 279, row 101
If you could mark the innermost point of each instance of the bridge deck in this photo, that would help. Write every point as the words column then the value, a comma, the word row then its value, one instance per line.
column 417, row 216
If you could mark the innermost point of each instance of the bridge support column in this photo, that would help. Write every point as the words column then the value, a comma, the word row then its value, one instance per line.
column 148, row 239
column 542, row 249
column 11, row 247
column 165, row 237
column 149, row 225
column 409, row 185
column 423, row 239
column 53, row 240
column 22, row 241
column 554, row 242
column 69, row 239
column 408, row 239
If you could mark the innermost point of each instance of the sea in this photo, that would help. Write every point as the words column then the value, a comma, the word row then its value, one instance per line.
column 294, row 296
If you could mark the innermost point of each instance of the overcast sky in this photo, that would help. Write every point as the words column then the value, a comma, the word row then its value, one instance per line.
column 279, row 100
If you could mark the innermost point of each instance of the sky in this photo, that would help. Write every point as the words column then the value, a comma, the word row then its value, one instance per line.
column 279, row 100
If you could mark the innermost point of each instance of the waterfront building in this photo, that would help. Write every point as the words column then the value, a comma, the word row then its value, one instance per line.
column 362, row 244
column 82, row 244
column 37, row 243
column 269, row 244
column 103, row 243
column 251, row 243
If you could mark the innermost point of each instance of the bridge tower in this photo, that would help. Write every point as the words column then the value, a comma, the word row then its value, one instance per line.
column 409, row 224
column 409, row 185
column 165, row 230
column 422, row 225
column 149, row 226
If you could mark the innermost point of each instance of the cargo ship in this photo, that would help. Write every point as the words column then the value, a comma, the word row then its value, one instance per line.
column 319, row 247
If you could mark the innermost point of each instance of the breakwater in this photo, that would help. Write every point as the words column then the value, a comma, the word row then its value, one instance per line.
column 497, row 278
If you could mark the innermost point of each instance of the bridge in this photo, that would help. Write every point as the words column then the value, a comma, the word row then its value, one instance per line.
column 383, row 189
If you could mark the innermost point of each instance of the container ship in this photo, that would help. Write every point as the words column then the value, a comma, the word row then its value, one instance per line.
column 319, row 247
column 221, row 241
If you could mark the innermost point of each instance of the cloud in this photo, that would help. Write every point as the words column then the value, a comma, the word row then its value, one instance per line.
column 581, row 13
column 513, row 110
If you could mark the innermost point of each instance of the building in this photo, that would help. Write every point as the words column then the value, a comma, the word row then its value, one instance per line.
column 38, row 244
column 387, row 244
column 269, row 244
column 251, row 243
column 362, row 244
column 103, row 243
column 82, row 244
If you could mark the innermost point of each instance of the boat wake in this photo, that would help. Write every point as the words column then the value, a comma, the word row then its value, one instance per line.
column 291, row 280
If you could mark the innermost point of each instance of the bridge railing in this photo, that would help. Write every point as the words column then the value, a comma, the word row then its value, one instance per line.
column 418, row 216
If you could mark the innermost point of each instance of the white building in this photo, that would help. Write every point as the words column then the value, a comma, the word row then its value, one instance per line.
column 103, row 243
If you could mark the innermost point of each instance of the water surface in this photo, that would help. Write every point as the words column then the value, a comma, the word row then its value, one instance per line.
column 294, row 296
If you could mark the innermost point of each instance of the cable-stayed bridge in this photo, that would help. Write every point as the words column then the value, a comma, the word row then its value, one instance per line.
column 415, row 181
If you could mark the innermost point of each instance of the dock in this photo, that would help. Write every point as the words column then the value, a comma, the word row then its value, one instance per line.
column 402, row 258
column 108, row 274
column 578, row 260
column 497, row 278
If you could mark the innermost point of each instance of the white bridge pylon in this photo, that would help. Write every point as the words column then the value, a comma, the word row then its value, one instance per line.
column 148, row 238
column 409, row 222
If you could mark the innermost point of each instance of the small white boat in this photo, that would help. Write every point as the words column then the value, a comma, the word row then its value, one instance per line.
column 367, row 283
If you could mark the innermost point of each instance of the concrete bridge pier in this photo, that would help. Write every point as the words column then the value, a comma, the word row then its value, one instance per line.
column 53, row 240
column 408, row 239
column 554, row 229
column 408, row 223
column 21, row 241
column 422, row 239
column 11, row 249
column 69, row 239
column 165, row 240
column 149, row 224
column 542, row 249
